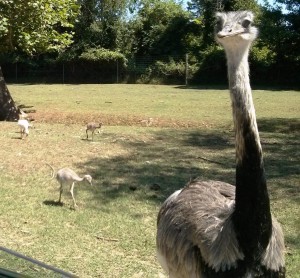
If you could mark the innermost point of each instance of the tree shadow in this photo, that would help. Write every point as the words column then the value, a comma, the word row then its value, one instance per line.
column 168, row 162
column 224, row 86
column 279, row 125
column 280, row 143
column 175, row 156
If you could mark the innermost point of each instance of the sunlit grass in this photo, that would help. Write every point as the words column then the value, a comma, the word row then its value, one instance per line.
column 168, row 105
column 112, row 234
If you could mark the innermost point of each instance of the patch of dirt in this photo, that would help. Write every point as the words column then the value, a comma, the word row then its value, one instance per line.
column 112, row 120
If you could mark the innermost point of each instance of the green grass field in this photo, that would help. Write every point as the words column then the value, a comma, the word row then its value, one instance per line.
column 112, row 233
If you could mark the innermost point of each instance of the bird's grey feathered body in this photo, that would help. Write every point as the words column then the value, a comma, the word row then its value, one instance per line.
column 212, row 228
column 196, row 236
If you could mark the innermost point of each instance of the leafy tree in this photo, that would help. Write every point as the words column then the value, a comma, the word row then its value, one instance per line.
column 102, row 23
column 160, row 28
column 280, row 34
column 235, row 5
column 32, row 26
column 291, row 22
column 204, row 11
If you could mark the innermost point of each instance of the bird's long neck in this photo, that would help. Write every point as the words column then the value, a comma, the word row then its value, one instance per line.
column 75, row 177
column 252, row 217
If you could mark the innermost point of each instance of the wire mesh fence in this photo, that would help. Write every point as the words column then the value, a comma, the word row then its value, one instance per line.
column 165, row 69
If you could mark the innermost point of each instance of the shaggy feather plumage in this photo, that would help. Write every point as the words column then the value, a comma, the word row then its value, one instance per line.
column 195, row 221
column 195, row 230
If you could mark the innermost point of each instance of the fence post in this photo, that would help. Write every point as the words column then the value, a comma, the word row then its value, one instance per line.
column 117, row 71
column 16, row 72
column 186, row 68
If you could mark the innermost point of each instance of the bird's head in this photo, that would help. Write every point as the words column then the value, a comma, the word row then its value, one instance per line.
column 89, row 179
column 235, row 27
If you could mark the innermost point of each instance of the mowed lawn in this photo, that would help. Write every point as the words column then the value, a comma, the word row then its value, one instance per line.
column 134, row 167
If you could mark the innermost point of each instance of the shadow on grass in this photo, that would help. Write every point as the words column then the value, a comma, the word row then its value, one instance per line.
column 224, row 86
column 174, row 156
column 153, row 169
column 280, row 142
column 53, row 203
column 279, row 125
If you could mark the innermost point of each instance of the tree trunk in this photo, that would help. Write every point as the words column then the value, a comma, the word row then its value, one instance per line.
column 8, row 109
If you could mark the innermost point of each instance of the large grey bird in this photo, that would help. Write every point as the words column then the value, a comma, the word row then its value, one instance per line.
column 212, row 228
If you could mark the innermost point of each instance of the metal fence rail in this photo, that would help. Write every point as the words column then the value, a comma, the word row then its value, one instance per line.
column 11, row 273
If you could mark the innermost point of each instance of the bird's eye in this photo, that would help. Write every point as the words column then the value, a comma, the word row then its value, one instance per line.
column 246, row 23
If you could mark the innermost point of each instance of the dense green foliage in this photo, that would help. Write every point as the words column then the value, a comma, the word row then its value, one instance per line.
column 36, row 25
column 164, row 30
column 98, row 54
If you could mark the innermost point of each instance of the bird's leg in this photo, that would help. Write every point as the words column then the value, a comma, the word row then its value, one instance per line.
column 60, row 192
column 72, row 193
column 93, row 135
column 87, row 135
